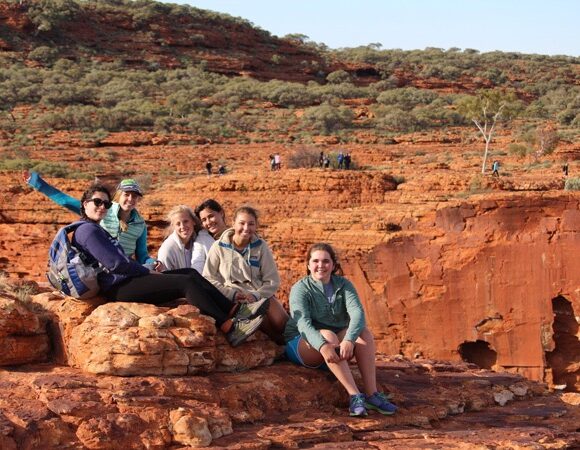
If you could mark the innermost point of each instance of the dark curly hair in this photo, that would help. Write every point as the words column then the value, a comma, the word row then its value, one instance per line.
column 88, row 194
column 210, row 203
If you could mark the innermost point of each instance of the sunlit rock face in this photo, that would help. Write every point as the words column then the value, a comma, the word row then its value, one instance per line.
column 23, row 336
column 495, row 282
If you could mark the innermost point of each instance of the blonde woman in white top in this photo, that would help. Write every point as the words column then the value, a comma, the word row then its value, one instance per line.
column 187, row 243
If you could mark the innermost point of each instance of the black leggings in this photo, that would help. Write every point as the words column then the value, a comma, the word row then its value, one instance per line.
column 171, row 285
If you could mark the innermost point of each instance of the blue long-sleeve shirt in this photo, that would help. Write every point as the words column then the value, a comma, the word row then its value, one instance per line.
column 133, row 240
column 95, row 242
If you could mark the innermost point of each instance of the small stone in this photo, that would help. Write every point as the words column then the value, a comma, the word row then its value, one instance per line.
column 502, row 397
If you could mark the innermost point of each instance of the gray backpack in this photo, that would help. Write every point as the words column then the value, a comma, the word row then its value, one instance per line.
column 69, row 270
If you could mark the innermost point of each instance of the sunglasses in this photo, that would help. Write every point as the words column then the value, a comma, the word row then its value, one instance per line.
column 100, row 202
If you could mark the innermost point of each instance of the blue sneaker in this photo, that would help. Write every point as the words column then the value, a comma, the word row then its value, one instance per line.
column 357, row 405
column 380, row 402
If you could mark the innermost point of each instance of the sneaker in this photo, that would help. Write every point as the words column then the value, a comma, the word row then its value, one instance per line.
column 242, row 329
column 253, row 310
column 380, row 402
column 357, row 405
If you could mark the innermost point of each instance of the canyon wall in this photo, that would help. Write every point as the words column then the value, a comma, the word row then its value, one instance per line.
column 492, row 279
column 495, row 282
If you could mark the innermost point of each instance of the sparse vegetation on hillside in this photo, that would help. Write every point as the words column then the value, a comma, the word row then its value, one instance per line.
column 572, row 184
column 88, row 96
column 385, row 92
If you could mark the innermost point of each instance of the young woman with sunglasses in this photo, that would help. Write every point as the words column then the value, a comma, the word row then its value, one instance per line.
column 122, row 220
column 126, row 280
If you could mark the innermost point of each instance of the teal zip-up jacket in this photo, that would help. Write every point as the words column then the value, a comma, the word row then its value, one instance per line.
column 310, row 311
column 133, row 241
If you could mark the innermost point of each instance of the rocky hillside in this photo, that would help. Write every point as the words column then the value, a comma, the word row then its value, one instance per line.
column 149, row 35
column 470, row 281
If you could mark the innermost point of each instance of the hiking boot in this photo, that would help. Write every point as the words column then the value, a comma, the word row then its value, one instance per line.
column 357, row 405
column 253, row 310
column 380, row 402
column 242, row 329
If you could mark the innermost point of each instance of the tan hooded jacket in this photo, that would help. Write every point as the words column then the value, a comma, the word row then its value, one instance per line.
column 252, row 271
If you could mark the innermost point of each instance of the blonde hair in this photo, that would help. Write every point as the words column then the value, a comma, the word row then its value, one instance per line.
column 123, row 225
column 182, row 209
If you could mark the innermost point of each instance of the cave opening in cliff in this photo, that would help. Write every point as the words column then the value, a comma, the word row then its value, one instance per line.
column 478, row 353
column 563, row 360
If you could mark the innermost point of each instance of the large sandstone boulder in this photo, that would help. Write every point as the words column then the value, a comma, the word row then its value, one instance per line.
column 62, row 315
column 23, row 337
column 129, row 339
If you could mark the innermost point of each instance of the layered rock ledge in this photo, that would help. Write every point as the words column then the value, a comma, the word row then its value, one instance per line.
column 136, row 376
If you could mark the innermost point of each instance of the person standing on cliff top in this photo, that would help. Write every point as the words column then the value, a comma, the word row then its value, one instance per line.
column 565, row 169
column 340, row 159
column 327, row 329
column 495, row 168
column 208, row 167
column 347, row 161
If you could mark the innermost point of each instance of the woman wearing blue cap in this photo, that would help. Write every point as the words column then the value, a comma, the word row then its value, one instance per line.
column 122, row 220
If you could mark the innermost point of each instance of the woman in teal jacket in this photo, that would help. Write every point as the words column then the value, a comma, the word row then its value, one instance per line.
column 122, row 221
column 327, row 329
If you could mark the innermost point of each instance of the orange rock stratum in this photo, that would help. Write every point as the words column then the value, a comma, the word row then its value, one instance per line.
column 451, row 266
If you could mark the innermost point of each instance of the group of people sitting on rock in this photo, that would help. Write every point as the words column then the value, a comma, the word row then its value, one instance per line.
column 229, row 274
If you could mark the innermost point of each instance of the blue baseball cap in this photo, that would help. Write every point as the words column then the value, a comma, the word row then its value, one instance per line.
column 130, row 185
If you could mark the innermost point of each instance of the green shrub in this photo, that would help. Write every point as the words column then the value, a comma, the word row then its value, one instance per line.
column 287, row 94
column 476, row 183
column 15, row 164
column 393, row 118
column 47, row 168
column 406, row 98
column 519, row 150
column 48, row 14
column 43, row 54
column 338, row 77
column 327, row 118
column 572, row 184
column 399, row 179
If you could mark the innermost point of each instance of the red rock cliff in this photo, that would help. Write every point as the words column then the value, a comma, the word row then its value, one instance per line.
column 494, row 282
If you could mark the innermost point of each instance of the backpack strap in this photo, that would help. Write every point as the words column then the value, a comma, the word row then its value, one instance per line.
column 73, row 226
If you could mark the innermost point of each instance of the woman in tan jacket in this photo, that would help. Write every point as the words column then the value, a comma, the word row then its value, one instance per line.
column 241, row 265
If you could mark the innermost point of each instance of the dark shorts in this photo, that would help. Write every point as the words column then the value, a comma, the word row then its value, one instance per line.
column 293, row 355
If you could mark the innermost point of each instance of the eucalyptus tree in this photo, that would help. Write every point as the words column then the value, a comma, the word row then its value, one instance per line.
column 486, row 110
